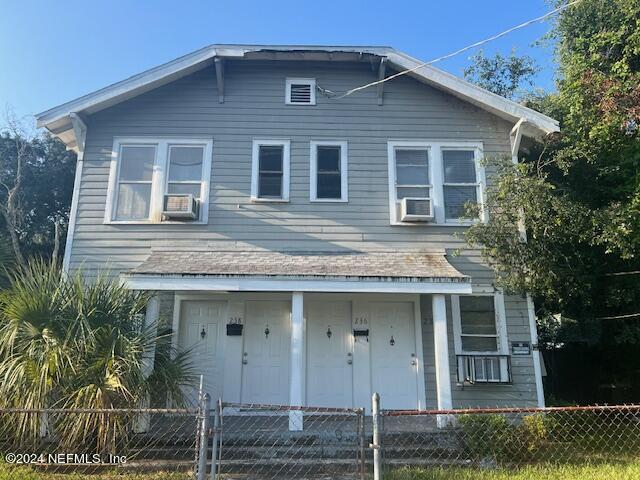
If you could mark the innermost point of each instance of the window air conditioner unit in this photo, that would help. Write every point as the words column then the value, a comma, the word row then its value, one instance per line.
column 180, row 206
column 416, row 210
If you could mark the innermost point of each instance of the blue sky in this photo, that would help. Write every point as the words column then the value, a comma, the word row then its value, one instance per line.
column 51, row 52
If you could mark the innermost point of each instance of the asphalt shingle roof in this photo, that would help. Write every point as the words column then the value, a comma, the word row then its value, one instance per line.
column 389, row 265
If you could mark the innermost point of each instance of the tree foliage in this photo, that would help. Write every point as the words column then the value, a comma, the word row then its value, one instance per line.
column 579, row 190
column 71, row 344
column 501, row 75
column 38, row 171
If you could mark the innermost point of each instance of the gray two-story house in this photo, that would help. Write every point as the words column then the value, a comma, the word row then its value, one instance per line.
column 305, row 242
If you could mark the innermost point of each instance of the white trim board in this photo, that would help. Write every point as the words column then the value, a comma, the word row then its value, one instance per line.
column 73, row 215
column 57, row 120
column 148, row 282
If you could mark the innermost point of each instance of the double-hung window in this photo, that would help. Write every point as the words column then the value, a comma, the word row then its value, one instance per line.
column 439, row 179
column 480, row 338
column 329, row 172
column 270, row 171
column 143, row 170
column 461, row 182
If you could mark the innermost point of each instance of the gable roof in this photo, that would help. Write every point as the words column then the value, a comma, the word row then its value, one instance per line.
column 58, row 120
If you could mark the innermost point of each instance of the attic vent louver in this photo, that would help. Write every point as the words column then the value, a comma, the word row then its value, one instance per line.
column 301, row 91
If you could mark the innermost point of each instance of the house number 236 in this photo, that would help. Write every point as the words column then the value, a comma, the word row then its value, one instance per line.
column 360, row 321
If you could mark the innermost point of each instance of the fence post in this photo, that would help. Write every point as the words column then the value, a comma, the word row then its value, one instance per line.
column 361, row 441
column 216, row 436
column 377, row 461
column 204, row 436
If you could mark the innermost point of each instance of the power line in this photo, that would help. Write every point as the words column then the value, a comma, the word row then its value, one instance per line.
column 449, row 55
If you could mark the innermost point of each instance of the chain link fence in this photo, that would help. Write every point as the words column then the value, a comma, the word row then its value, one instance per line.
column 491, row 438
column 38, row 443
column 282, row 442
column 225, row 441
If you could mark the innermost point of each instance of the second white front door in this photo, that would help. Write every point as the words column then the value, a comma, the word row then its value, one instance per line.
column 265, row 356
column 329, row 354
column 393, row 354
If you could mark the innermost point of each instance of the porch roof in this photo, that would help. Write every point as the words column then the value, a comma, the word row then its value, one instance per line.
column 314, row 271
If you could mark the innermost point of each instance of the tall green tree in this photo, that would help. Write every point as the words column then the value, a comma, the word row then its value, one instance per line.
column 579, row 190
column 506, row 76
column 36, row 183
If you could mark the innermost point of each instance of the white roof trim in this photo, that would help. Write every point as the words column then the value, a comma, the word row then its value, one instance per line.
column 57, row 120
column 226, row 284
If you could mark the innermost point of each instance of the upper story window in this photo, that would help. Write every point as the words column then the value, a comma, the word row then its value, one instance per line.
column 328, row 171
column 143, row 170
column 480, row 337
column 270, row 171
column 433, row 181
column 300, row 91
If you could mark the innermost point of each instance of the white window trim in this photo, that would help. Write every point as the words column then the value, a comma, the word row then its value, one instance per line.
column 436, row 177
column 255, row 156
column 501, row 327
column 304, row 81
column 158, row 178
column 313, row 169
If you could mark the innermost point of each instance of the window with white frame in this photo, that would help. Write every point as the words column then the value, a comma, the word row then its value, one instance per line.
column 461, row 182
column 443, row 177
column 328, row 179
column 480, row 338
column 300, row 91
column 270, row 170
column 143, row 170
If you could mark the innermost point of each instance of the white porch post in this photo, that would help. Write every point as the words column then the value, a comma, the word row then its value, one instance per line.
column 441, row 350
column 151, row 318
column 296, row 388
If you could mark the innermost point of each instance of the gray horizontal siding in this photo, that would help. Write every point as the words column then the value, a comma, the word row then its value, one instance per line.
column 254, row 108
column 522, row 391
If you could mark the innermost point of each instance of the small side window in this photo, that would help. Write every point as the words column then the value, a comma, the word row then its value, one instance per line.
column 329, row 175
column 270, row 170
column 461, row 183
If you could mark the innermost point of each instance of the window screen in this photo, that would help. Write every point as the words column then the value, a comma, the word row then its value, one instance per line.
column 460, row 182
column 478, row 324
column 412, row 173
column 134, row 182
column 270, row 171
column 185, row 169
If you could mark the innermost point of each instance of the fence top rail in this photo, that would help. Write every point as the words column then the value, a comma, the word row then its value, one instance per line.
column 288, row 408
column 172, row 411
column 462, row 411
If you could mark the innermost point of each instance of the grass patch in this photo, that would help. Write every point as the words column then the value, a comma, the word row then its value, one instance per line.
column 26, row 473
column 628, row 471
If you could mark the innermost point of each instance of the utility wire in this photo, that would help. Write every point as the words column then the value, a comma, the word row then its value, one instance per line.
column 338, row 96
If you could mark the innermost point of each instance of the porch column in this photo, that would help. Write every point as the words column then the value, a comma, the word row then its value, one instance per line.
column 152, row 316
column 296, row 388
column 441, row 351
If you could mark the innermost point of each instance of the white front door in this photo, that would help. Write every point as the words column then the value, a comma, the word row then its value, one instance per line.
column 393, row 354
column 200, row 324
column 265, row 360
column 329, row 354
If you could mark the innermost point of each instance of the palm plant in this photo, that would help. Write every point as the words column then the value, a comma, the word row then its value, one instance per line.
column 71, row 344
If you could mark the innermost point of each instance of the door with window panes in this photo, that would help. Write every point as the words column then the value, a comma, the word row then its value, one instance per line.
column 478, row 340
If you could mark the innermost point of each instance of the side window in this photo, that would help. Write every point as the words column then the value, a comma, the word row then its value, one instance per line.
column 480, row 339
column 460, row 185
column 135, row 182
column 144, row 170
column 270, row 170
column 329, row 172
column 185, row 170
